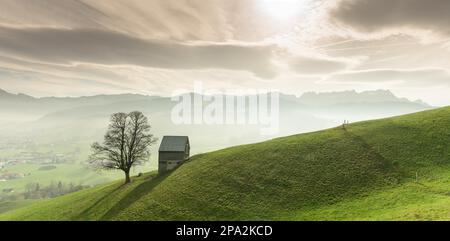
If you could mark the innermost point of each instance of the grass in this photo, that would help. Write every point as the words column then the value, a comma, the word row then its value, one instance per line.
column 365, row 171
column 66, row 173
column 6, row 206
column 88, row 204
column 428, row 199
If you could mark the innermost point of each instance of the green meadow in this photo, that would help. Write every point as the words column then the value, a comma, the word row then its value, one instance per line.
column 388, row 169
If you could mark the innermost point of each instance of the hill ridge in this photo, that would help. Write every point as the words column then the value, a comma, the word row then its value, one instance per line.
column 309, row 176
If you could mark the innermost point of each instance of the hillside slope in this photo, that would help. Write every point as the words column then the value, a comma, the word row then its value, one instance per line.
column 367, row 170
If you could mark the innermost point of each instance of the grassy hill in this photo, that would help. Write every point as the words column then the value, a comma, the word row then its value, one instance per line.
column 6, row 206
column 395, row 168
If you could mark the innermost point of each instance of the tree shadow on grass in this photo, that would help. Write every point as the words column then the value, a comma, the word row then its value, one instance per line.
column 83, row 214
column 136, row 194
column 371, row 150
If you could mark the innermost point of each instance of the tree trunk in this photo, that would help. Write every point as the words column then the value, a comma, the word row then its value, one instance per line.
column 127, row 177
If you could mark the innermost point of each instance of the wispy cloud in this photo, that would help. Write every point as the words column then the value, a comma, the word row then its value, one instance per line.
column 393, row 16
column 411, row 77
column 71, row 46
column 77, row 47
column 320, row 65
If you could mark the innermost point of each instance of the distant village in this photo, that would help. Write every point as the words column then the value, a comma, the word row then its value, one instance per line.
column 24, row 153
column 15, row 154
column 34, row 190
column 30, row 158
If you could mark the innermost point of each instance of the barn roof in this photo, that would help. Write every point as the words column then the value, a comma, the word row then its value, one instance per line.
column 173, row 143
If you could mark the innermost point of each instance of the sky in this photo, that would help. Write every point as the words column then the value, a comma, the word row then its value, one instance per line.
column 156, row 47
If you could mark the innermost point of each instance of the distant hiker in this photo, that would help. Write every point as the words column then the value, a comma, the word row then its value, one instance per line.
column 343, row 125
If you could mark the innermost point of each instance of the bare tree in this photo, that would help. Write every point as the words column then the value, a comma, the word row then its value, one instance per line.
column 126, row 143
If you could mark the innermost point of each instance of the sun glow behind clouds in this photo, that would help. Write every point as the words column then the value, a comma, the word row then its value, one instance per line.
column 284, row 10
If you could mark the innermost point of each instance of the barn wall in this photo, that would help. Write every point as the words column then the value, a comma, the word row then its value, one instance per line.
column 165, row 157
column 172, row 164
column 171, row 156
column 162, row 167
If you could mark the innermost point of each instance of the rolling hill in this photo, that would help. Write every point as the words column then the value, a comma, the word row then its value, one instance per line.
column 47, row 126
column 388, row 169
column 52, row 120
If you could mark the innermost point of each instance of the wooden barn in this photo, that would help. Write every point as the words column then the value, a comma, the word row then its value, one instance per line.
column 172, row 152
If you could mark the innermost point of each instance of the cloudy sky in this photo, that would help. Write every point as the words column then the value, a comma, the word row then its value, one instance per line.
column 86, row 47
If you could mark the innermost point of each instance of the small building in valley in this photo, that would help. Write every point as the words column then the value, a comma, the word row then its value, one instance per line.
column 8, row 190
column 172, row 152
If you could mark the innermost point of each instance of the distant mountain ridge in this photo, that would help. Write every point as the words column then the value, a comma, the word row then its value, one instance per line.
column 308, row 98
column 56, row 118
column 4, row 95
column 351, row 96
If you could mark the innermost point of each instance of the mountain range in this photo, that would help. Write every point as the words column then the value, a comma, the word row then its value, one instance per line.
column 58, row 118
